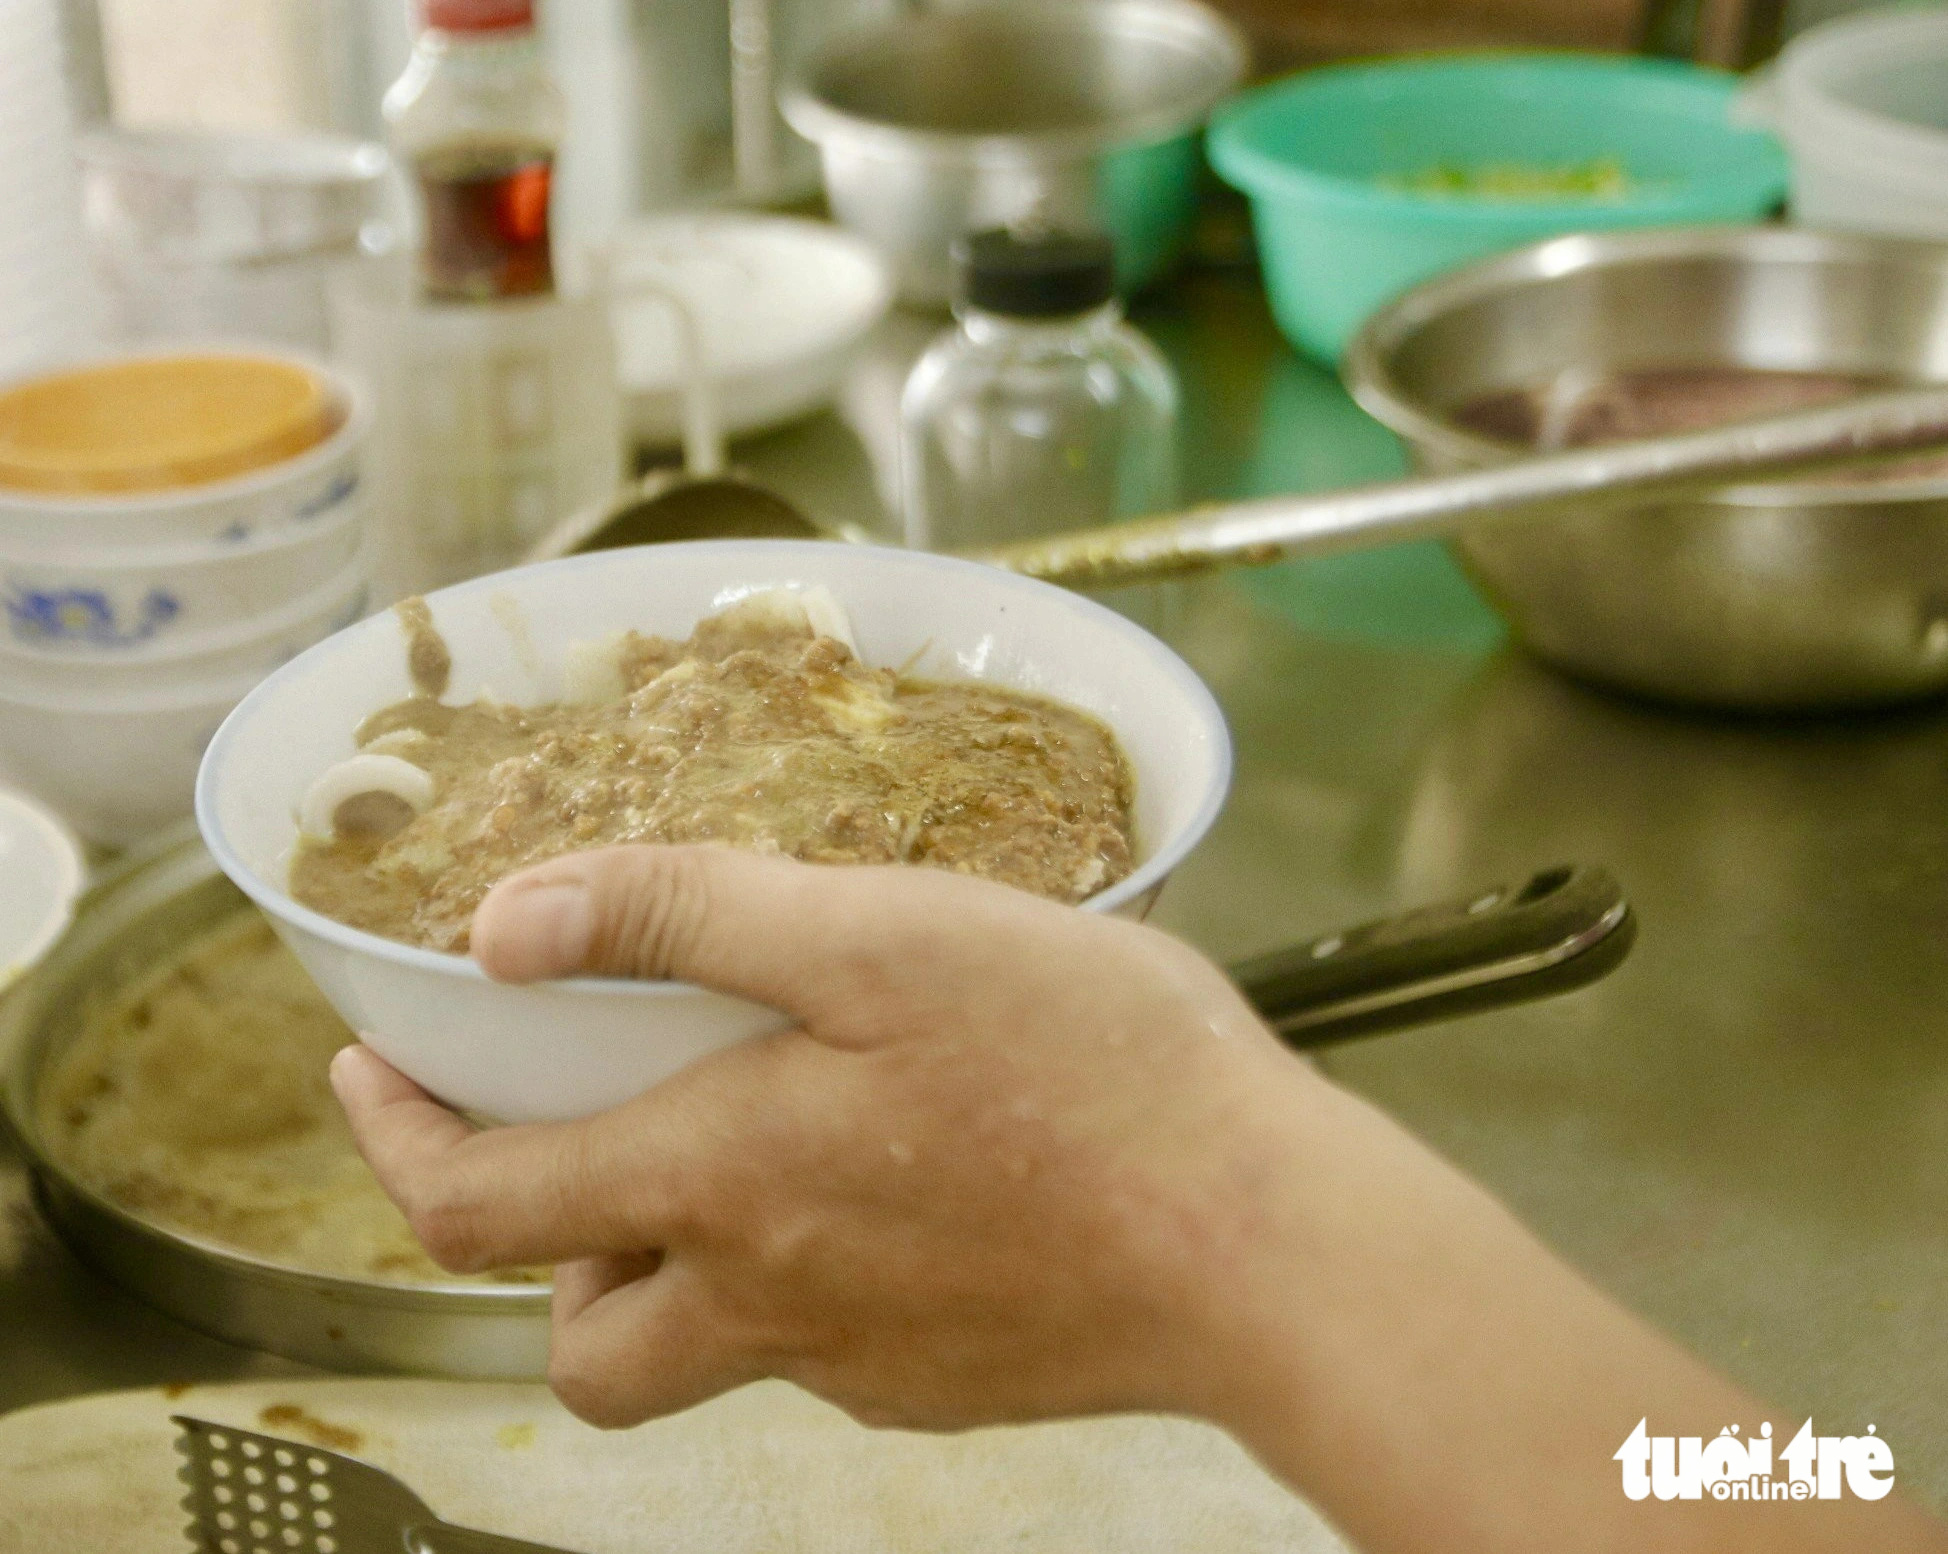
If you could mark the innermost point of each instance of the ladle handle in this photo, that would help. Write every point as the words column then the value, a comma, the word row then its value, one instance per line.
column 1560, row 929
column 1870, row 429
column 703, row 424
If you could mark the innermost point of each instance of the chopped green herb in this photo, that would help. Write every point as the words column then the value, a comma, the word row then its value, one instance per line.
column 1602, row 178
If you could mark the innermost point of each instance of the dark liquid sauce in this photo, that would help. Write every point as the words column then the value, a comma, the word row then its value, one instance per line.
column 486, row 211
column 1663, row 401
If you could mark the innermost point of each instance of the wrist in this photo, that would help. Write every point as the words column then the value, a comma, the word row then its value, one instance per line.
column 1236, row 1278
column 1290, row 1150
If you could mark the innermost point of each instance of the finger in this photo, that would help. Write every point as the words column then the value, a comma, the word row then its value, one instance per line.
column 505, row 1197
column 646, row 1348
column 732, row 920
column 578, row 1285
column 799, row 937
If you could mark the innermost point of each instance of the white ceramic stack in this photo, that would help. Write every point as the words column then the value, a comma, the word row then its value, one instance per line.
column 131, row 624
column 45, row 300
column 199, row 234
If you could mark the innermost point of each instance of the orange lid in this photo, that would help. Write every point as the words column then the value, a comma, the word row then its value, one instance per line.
column 477, row 15
column 158, row 422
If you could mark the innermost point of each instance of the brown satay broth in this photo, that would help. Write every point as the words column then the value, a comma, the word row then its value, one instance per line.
column 751, row 734
column 1665, row 401
column 196, row 1098
column 428, row 662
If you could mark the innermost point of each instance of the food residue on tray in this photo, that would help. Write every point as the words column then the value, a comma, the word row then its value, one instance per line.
column 296, row 1420
column 763, row 730
column 196, row 1099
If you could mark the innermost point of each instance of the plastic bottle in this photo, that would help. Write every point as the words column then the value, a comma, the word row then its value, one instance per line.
column 1042, row 410
column 476, row 120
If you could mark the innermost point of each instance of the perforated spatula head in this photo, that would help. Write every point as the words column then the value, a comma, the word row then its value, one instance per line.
column 256, row 1494
column 259, row 1494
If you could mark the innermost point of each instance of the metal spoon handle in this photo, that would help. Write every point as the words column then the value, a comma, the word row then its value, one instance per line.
column 445, row 1538
column 1869, row 429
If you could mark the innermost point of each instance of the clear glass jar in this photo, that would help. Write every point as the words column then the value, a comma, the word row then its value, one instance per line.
column 1041, row 410
column 1013, row 428
column 476, row 119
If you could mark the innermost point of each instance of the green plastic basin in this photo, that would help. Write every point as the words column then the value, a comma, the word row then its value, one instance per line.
column 1314, row 152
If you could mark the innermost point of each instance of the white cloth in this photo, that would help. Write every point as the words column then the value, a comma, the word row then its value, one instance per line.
column 767, row 1470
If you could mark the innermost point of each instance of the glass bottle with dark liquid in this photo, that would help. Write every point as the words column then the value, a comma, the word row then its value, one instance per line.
column 476, row 118
column 486, row 213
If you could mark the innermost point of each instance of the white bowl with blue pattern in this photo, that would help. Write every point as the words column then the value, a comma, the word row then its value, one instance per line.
column 253, row 647
column 123, row 604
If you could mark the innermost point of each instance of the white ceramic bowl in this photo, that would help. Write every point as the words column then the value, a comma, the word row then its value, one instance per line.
column 92, row 602
column 570, row 1048
column 779, row 304
column 294, row 493
column 115, row 768
column 250, row 648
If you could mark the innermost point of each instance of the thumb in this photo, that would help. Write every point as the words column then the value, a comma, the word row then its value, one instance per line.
column 738, row 922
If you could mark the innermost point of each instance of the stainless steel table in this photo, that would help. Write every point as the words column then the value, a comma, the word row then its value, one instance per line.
column 1743, row 1133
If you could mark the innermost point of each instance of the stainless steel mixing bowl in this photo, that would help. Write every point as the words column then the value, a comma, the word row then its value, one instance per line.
column 1793, row 596
column 936, row 123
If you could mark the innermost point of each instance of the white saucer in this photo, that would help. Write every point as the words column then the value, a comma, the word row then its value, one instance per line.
column 41, row 875
column 779, row 304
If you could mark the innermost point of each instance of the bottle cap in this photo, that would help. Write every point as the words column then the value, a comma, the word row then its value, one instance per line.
column 1033, row 273
column 477, row 15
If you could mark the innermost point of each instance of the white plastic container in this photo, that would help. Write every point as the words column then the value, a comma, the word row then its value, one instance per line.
column 565, row 1049
column 1862, row 106
column 496, row 420
column 91, row 601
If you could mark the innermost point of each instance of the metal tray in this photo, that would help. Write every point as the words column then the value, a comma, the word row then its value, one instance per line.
column 148, row 910
column 1560, row 929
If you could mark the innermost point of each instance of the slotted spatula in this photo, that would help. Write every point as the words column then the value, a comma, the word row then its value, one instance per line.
column 259, row 1494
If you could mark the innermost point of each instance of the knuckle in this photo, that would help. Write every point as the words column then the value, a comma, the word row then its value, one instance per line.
column 587, row 1392
column 576, row 1390
column 785, row 1253
column 449, row 1229
column 656, row 912
column 576, row 1185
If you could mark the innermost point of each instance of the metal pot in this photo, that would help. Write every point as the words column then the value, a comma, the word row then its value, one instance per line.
column 1080, row 115
column 1796, row 595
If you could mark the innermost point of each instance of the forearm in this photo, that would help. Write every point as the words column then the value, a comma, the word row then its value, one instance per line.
column 1433, row 1378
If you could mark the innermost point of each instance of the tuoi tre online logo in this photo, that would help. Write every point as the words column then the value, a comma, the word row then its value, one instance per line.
column 1815, row 1467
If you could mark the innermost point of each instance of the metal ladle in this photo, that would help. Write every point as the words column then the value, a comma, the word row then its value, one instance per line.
column 702, row 499
column 1866, row 431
